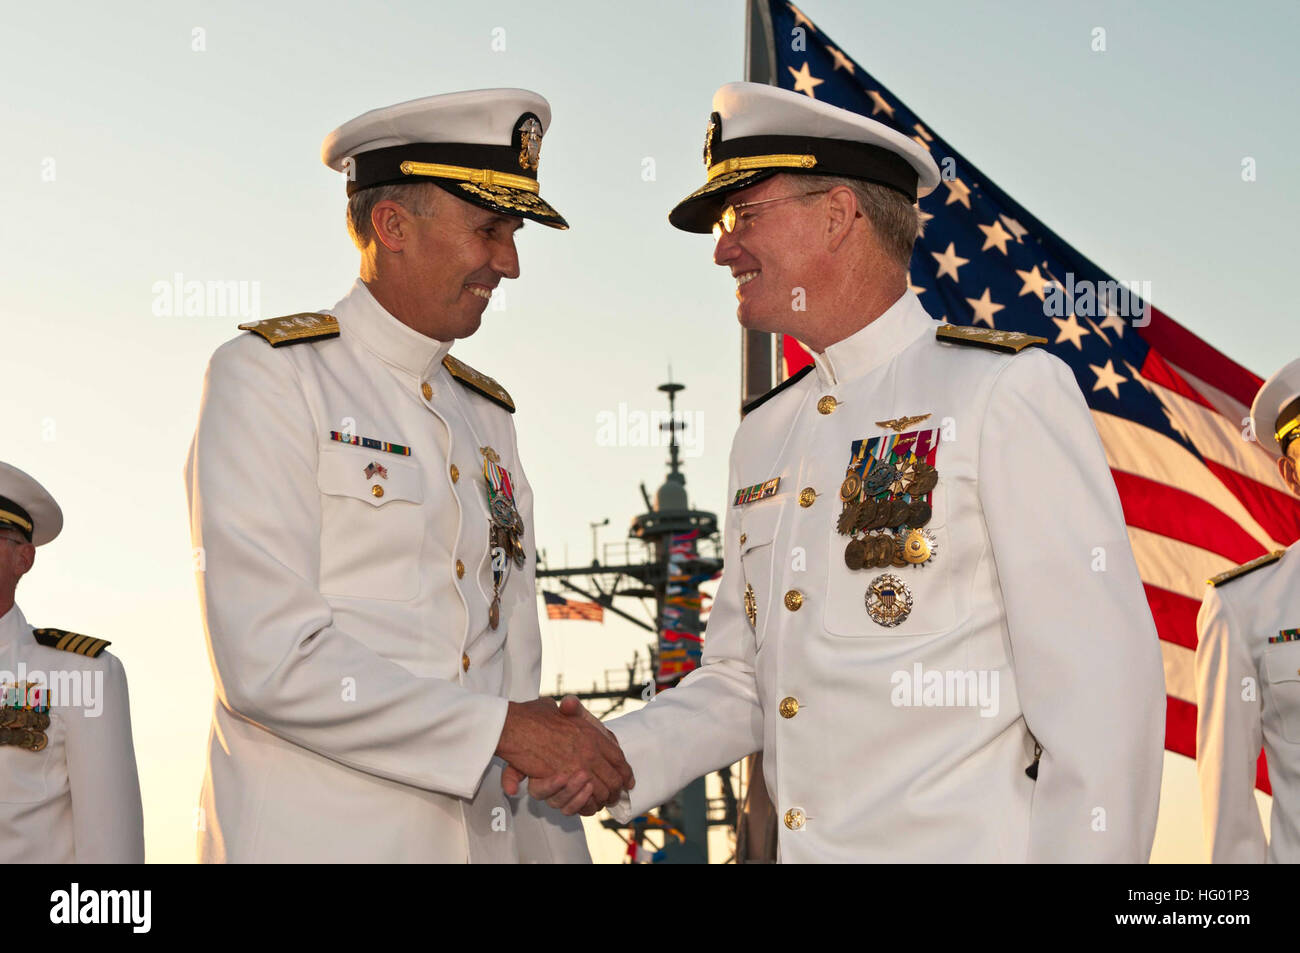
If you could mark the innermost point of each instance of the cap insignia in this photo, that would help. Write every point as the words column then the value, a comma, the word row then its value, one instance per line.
column 530, row 144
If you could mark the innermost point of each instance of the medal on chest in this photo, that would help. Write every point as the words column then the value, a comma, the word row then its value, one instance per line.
column 506, row 534
column 24, row 715
column 885, row 504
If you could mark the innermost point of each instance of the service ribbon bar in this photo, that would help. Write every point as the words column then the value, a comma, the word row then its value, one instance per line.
column 1286, row 635
column 759, row 491
column 370, row 443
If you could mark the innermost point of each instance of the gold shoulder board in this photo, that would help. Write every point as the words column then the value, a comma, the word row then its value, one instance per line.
column 295, row 328
column 71, row 642
column 479, row 383
column 1238, row 571
column 1009, row 342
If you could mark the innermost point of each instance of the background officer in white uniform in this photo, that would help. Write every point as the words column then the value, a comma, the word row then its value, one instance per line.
column 1248, row 671
column 913, row 622
column 69, row 792
column 366, row 534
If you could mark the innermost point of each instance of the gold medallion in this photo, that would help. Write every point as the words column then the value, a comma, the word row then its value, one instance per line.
column 924, row 478
column 851, row 487
column 919, row 547
column 889, row 601
column 875, row 513
column 918, row 514
column 848, row 520
column 855, row 554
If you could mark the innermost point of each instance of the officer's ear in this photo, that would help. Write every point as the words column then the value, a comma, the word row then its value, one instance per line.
column 26, row 558
column 842, row 209
column 391, row 224
column 1286, row 465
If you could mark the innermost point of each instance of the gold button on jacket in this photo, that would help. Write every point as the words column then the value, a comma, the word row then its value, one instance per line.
column 789, row 706
column 460, row 569
column 793, row 600
column 827, row 405
column 455, row 473
column 426, row 390
column 794, row 819
column 376, row 490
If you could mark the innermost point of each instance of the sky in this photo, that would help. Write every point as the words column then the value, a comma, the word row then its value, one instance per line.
column 149, row 140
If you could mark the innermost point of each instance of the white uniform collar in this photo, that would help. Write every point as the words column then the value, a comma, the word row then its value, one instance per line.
column 364, row 318
column 13, row 625
column 874, row 345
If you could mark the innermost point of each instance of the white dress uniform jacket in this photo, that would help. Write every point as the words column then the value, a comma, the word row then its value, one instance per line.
column 77, row 800
column 1248, row 694
column 360, row 690
column 1033, row 582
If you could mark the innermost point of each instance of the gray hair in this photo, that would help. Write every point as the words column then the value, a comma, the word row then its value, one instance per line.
column 418, row 198
column 896, row 221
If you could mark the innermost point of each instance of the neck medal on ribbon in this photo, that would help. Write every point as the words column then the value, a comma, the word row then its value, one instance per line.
column 885, row 499
column 24, row 716
column 507, row 528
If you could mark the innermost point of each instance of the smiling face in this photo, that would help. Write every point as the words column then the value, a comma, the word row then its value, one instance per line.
column 434, row 264
column 769, row 253
column 457, row 257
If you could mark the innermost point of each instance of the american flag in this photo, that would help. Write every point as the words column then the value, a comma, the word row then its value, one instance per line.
column 558, row 607
column 1199, row 495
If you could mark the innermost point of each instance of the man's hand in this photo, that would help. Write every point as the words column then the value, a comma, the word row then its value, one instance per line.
column 573, row 762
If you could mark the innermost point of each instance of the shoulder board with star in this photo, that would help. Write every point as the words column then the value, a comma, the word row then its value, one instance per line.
column 295, row 328
column 478, row 383
column 764, row 398
column 1245, row 568
column 66, row 641
column 1008, row 342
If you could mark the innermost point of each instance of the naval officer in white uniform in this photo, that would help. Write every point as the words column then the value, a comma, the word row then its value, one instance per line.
column 911, row 624
column 365, row 536
column 1248, row 671
column 69, row 792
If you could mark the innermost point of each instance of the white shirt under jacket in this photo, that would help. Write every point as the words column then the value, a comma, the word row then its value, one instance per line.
column 77, row 800
column 360, row 692
column 1248, row 694
column 1034, row 581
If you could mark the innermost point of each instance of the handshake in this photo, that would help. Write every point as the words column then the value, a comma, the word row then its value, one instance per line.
column 571, row 761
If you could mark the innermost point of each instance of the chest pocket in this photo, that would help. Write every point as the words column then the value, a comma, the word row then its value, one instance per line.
column 757, row 555
column 930, row 584
column 24, row 775
column 1282, row 666
column 372, row 528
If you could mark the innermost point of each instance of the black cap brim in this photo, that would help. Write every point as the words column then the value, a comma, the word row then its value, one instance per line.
column 507, row 201
column 700, row 210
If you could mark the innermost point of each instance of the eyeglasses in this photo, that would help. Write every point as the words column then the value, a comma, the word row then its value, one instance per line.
column 730, row 217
